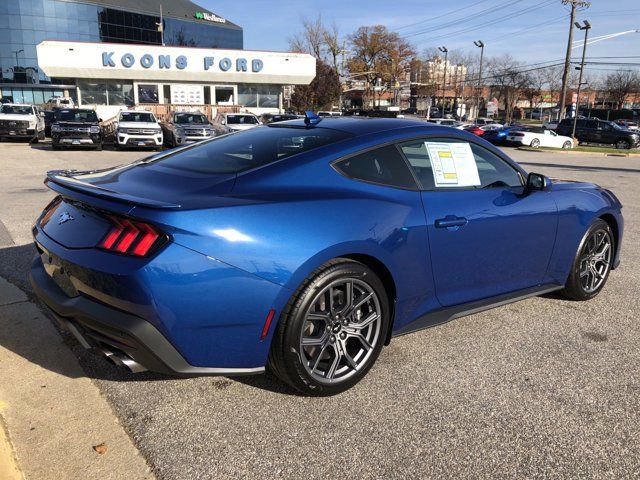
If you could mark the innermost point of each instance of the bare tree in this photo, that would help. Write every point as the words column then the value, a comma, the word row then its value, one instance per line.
column 333, row 44
column 621, row 83
column 509, row 80
column 310, row 39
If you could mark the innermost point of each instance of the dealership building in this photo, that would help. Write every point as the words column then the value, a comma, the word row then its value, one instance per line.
column 113, row 54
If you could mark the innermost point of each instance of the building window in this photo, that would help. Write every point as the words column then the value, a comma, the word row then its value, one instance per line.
column 247, row 95
column 268, row 96
column 224, row 96
column 148, row 94
column 106, row 93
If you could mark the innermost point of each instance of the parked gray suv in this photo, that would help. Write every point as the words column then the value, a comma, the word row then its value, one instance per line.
column 186, row 127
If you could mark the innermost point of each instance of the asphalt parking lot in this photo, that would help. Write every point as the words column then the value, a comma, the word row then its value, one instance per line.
column 540, row 388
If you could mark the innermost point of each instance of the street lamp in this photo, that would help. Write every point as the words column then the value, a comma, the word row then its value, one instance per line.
column 16, row 52
column 479, row 44
column 586, row 28
column 444, row 50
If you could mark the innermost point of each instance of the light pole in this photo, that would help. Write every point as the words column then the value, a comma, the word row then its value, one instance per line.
column 575, row 4
column 16, row 52
column 444, row 50
column 479, row 44
column 586, row 28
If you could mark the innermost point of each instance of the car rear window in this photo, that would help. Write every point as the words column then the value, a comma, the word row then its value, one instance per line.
column 250, row 149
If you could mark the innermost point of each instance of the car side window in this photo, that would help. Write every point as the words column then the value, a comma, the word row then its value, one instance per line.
column 492, row 170
column 382, row 165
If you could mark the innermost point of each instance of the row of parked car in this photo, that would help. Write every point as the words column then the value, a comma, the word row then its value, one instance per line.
column 81, row 127
column 623, row 134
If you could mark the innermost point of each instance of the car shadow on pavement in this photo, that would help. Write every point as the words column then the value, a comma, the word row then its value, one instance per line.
column 35, row 335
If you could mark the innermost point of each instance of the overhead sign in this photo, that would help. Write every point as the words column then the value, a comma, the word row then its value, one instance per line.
column 210, row 17
column 181, row 64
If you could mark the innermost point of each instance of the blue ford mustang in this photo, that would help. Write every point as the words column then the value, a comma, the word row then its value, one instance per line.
column 305, row 246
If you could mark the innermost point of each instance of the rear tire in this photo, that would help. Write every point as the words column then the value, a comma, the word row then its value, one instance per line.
column 99, row 147
column 535, row 143
column 332, row 330
column 592, row 263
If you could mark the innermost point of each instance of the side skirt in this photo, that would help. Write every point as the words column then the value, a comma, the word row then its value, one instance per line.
column 449, row 313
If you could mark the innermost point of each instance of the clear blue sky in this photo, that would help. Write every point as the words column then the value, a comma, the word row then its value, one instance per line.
column 531, row 30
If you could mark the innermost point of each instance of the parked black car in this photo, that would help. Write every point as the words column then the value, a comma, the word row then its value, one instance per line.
column 76, row 127
column 591, row 130
column 48, row 120
column 278, row 117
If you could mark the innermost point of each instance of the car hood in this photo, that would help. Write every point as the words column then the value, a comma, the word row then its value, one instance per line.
column 138, row 125
column 14, row 116
column 237, row 126
column 206, row 126
column 75, row 124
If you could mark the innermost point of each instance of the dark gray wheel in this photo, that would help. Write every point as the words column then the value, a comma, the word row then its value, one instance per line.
column 535, row 143
column 332, row 330
column 592, row 264
column 623, row 144
column 566, row 145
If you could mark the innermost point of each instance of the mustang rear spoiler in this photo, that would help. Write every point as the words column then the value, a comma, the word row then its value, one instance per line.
column 67, row 180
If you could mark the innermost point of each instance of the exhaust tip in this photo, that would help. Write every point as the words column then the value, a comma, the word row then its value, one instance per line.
column 123, row 360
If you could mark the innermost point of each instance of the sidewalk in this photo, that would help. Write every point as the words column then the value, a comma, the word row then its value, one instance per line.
column 8, row 466
column 54, row 414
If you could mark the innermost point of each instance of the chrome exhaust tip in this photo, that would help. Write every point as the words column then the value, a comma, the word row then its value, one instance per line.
column 123, row 360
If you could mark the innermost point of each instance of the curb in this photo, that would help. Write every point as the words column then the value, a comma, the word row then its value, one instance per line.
column 578, row 152
column 9, row 469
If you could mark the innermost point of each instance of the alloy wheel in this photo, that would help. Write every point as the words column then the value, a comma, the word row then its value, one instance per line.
column 340, row 331
column 595, row 260
column 622, row 145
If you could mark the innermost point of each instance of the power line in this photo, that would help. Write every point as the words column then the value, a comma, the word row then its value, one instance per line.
column 463, row 20
column 440, row 16
column 486, row 24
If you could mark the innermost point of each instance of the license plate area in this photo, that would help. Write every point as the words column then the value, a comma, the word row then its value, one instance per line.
column 57, row 270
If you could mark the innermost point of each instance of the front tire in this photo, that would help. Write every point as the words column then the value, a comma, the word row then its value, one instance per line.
column 592, row 263
column 623, row 145
column 332, row 330
column 567, row 145
column 535, row 143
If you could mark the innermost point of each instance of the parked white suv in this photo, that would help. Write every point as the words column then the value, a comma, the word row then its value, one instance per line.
column 20, row 120
column 235, row 122
column 137, row 128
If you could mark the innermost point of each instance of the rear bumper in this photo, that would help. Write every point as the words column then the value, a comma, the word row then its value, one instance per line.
column 123, row 337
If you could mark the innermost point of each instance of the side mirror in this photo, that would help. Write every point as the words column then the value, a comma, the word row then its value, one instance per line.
column 100, row 120
column 537, row 181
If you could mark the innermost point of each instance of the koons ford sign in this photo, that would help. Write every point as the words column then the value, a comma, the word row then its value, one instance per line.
column 180, row 62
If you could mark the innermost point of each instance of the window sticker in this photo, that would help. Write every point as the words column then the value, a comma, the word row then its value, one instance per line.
column 453, row 164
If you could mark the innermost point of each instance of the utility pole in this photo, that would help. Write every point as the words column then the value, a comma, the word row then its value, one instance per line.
column 567, row 60
column 479, row 44
column 586, row 28
column 444, row 50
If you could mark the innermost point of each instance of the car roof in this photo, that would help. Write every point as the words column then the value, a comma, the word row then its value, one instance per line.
column 18, row 104
column 360, row 125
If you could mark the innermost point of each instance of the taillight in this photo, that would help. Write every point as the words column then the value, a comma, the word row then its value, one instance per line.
column 49, row 210
column 131, row 237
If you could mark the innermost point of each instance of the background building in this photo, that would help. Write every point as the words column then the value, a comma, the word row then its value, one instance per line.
column 26, row 23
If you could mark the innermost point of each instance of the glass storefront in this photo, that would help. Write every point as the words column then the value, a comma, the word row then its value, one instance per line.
column 106, row 92
column 26, row 23
column 261, row 96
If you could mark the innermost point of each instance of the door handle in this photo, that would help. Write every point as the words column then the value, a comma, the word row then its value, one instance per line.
column 451, row 221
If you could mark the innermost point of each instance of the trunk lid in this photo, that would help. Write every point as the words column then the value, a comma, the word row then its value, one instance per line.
column 145, row 184
column 74, row 225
